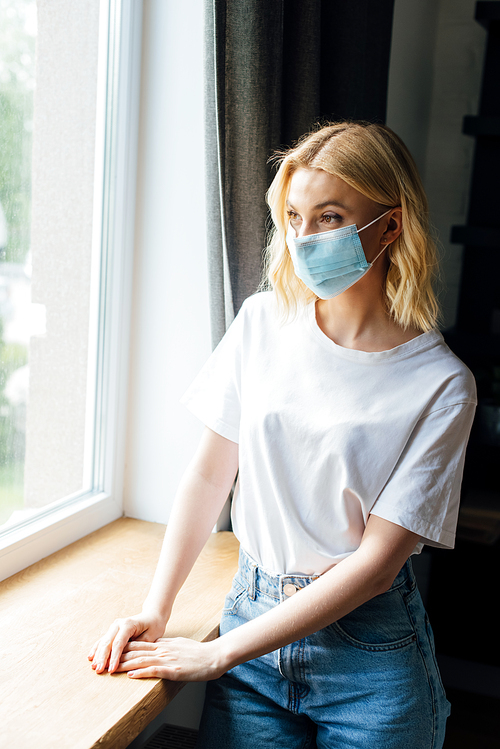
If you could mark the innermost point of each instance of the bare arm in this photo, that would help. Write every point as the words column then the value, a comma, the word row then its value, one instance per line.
column 369, row 571
column 199, row 501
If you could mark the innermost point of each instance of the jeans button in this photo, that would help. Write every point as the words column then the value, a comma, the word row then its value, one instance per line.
column 289, row 589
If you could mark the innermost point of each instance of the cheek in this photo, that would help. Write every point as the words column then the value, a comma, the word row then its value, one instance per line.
column 372, row 244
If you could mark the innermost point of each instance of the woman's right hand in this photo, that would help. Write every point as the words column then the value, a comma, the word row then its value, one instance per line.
column 106, row 652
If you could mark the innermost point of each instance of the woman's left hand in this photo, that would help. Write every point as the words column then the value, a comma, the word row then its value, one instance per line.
column 173, row 658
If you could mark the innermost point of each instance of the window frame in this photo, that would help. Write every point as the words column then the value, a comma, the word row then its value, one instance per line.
column 117, row 122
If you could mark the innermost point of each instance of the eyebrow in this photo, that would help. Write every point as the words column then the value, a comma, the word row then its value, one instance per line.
column 325, row 204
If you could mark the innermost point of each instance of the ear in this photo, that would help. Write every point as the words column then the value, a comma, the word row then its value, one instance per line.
column 394, row 226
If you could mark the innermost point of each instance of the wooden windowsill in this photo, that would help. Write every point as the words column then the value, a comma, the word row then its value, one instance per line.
column 51, row 614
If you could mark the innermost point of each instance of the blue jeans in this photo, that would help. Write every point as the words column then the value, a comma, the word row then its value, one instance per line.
column 368, row 681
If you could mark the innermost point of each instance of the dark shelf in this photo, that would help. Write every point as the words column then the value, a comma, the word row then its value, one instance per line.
column 487, row 11
column 462, row 609
column 476, row 236
column 481, row 126
column 473, row 346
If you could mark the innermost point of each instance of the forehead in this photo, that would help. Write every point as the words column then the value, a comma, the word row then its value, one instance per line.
column 315, row 188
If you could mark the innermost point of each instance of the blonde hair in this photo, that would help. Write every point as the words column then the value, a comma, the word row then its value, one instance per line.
column 375, row 162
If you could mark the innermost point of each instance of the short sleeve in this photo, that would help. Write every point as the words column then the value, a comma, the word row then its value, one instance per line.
column 214, row 396
column 423, row 491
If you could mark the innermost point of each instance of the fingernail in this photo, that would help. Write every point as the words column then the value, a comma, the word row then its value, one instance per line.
column 131, row 673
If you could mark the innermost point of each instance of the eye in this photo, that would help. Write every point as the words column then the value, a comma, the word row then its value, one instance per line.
column 292, row 215
column 331, row 218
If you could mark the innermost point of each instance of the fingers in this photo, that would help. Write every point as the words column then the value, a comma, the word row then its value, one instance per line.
column 177, row 659
column 148, row 660
column 148, row 666
column 152, row 672
column 139, row 644
column 94, row 647
column 102, row 649
column 143, row 656
column 107, row 651
column 92, row 651
column 144, row 638
column 133, row 663
column 119, row 643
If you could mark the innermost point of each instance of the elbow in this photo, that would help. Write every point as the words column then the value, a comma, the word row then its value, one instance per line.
column 386, row 575
column 382, row 582
column 384, row 586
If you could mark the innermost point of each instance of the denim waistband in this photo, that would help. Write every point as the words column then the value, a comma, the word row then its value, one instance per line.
column 261, row 580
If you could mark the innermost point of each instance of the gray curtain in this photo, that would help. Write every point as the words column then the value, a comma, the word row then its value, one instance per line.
column 273, row 69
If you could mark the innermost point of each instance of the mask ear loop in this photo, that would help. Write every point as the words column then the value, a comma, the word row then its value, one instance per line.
column 372, row 222
column 379, row 254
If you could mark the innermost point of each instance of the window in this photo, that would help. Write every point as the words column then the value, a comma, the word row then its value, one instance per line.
column 17, row 83
column 64, row 279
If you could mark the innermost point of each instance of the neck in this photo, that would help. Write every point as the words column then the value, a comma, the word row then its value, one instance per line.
column 358, row 319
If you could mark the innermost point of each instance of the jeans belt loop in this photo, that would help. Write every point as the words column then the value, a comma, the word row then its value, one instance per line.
column 253, row 576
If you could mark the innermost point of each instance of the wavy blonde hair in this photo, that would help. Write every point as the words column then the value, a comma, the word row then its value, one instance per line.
column 372, row 159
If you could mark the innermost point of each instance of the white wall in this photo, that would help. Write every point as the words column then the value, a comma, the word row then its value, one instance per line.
column 170, row 328
column 170, row 337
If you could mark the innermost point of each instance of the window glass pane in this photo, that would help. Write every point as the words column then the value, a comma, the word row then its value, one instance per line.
column 50, row 267
column 17, row 82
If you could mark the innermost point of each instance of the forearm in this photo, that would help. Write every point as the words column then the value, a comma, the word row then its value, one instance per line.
column 336, row 593
column 202, row 493
column 368, row 572
column 200, row 498
column 180, row 659
column 195, row 512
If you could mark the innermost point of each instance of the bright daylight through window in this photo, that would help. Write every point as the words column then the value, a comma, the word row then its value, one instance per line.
column 18, row 318
column 57, row 114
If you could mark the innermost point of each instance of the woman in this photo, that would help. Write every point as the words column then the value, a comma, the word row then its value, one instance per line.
column 347, row 417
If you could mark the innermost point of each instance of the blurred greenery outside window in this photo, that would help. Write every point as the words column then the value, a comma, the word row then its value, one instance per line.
column 50, row 253
column 18, row 26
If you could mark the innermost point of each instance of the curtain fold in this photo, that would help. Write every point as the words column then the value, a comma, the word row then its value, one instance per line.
column 272, row 70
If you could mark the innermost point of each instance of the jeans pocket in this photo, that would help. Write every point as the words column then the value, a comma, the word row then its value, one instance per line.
column 432, row 649
column 382, row 623
column 237, row 592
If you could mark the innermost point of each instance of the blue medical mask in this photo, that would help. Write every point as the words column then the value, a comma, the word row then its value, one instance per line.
column 331, row 261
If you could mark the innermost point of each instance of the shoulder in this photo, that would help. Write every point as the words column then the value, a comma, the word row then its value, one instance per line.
column 257, row 311
column 458, row 373
column 455, row 383
column 262, row 302
column 251, row 321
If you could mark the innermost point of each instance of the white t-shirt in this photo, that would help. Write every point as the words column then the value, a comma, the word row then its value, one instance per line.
column 328, row 435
